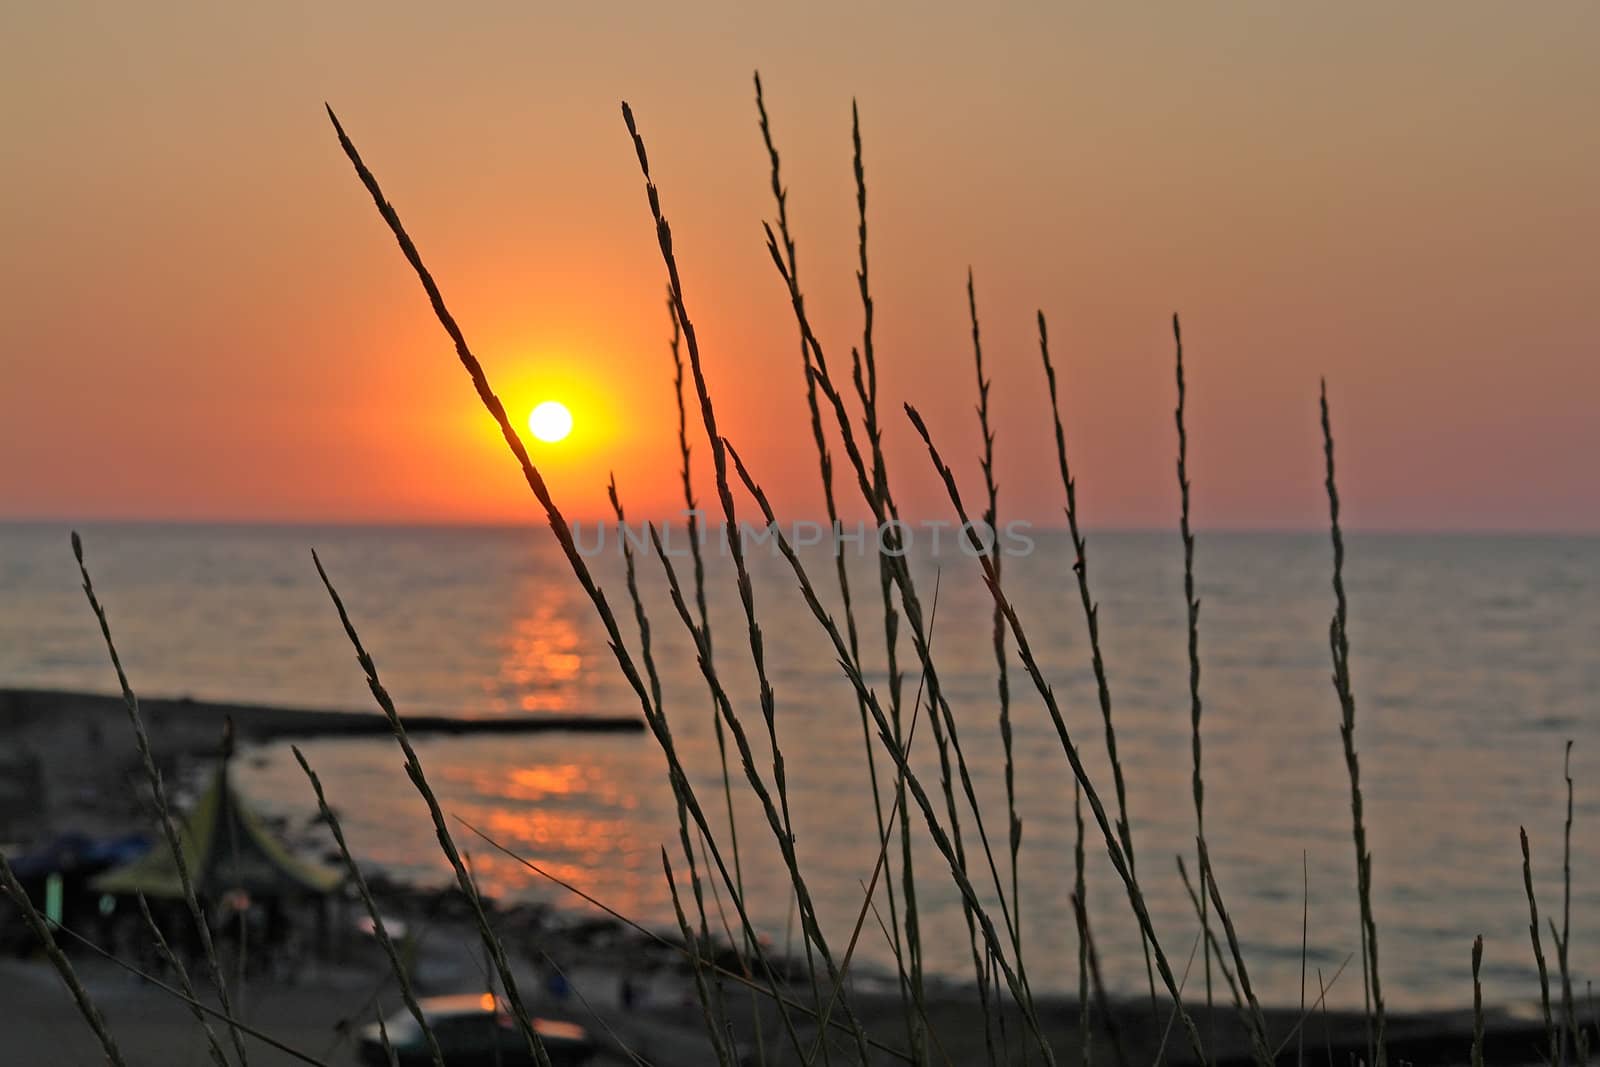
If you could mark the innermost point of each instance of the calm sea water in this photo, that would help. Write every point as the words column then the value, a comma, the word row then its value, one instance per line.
column 1474, row 659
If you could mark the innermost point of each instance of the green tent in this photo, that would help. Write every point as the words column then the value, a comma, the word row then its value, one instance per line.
column 226, row 846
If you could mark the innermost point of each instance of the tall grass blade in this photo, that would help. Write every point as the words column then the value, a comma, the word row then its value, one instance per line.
column 781, row 819
column 825, row 470
column 887, row 735
column 557, row 521
column 380, row 929
column 1103, row 1002
column 1216, row 946
column 170, row 958
column 158, row 789
column 1192, row 605
column 37, row 924
column 193, row 1004
column 712, row 1008
column 1080, row 895
column 1257, row 1022
column 1477, row 1002
column 875, row 491
column 1025, row 652
column 866, row 382
column 1339, row 644
column 1091, row 616
column 692, row 514
column 1568, row 1010
column 683, row 950
column 991, row 518
column 491, row 943
column 1538, row 949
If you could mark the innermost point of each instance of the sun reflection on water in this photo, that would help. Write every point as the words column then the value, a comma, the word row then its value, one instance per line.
column 542, row 659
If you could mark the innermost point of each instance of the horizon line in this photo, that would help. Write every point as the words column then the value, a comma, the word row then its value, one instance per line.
column 534, row 523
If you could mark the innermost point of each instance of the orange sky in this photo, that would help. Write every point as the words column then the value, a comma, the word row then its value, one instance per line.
column 203, row 317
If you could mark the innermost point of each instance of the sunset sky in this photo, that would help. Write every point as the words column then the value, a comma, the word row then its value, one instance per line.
column 204, row 318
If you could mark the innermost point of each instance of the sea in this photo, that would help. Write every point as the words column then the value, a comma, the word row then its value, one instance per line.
column 1474, row 661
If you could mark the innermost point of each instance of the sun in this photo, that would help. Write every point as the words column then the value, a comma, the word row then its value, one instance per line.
column 550, row 421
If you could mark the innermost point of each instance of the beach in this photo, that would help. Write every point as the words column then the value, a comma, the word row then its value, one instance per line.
column 89, row 778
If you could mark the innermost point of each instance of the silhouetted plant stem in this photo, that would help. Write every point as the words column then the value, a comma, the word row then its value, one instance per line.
column 1216, row 946
column 1080, row 896
column 886, row 733
column 991, row 518
column 170, row 958
column 1025, row 652
column 866, row 382
column 712, row 1008
column 413, row 765
column 379, row 928
column 563, row 533
column 1477, row 1002
column 747, row 759
column 1255, row 1022
column 158, row 790
column 875, row 492
column 782, row 825
column 1192, row 604
column 697, row 965
column 1091, row 616
column 178, row 994
column 825, row 470
column 1107, row 1016
column 58, row 959
column 692, row 514
column 655, row 937
column 1568, row 1011
column 1538, row 949
column 874, row 489
column 1339, row 644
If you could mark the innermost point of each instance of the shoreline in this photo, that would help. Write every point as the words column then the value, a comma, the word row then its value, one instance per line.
column 78, row 773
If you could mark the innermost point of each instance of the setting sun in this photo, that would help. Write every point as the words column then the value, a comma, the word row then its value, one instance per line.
column 550, row 421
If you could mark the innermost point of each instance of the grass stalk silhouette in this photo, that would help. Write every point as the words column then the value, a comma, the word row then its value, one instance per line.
column 558, row 526
column 1339, row 645
column 1574, row 1035
column 1192, row 615
column 886, row 733
column 1101, row 1000
column 991, row 518
column 1477, row 1002
column 158, row 790
column 170, row 959
column 819, row 439
column 1080, row 896
column 692, row 515
column 1024, row 650
column 655, row 937
column 865, row 366
column 875, row 491
column 1091, row 616
column 190, row 1002
column 711, row 1005
column 779, row 818
column 380, row 929
column 1257, row 1024
column 480, row 916
column 1538, row 949
column 40, row 929
column 1216, row 946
